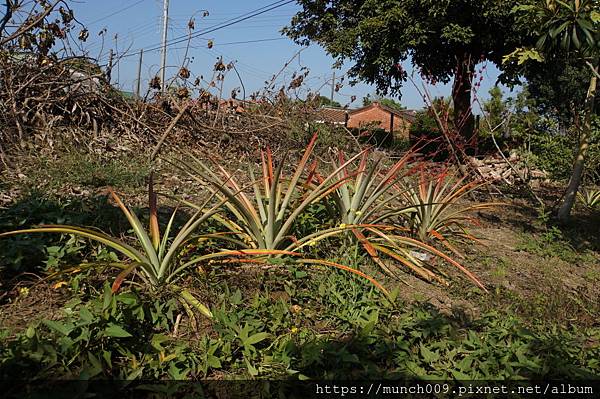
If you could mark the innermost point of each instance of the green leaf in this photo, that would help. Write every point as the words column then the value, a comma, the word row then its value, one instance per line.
column 96, row 366
column 428, row 355
column 113, row 330
column 86, row 315
column 585, row 24
column 595, row 16
column 107, row 297
column 460, row 376
column 59, row 327
column 541, row 41
column 565, row 42
column 256, row 338
column 575, row 38
column 251, row 369
column 107, row 358
column 135, row 373
column 522, row 7
column 188, row 297
column 466, row 363
column 275, row 261
column 30, row 333
column 123, row 248
column 158, row 340
column 554, row 32
column 213, row 361
column 300, row 274
column 176, row 373
column 127, row 298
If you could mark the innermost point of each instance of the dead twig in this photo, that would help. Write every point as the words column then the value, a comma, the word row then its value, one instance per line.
column 167, row 131
column 32, row 24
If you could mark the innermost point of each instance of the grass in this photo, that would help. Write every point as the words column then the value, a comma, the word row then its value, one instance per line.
column 76, row 168
column 553, row 244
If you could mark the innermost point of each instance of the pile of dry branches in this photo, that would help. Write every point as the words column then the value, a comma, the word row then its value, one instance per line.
column 52, row 92
column 508, row 171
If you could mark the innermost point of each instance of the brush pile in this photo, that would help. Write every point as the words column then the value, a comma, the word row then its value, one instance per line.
column 495, row 168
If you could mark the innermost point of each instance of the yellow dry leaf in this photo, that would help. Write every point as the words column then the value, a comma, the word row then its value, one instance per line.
column 59, row 284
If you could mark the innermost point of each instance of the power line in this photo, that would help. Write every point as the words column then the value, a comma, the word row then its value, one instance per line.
column 214, row 28
column 250, row 41
column 140, row 29
column 232, row 21
column 252, row 69
column 251, row 14
column 217, row 44
column 115, row 12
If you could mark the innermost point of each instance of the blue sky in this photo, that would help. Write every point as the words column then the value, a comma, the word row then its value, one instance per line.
column 137, row 24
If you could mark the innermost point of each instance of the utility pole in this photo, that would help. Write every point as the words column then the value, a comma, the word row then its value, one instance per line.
column 139, row 75
column 332, row 87
column 109, row 66
column 163, row 61
column 118, row 63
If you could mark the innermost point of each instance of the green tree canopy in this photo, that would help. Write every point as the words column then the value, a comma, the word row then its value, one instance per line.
column 388, row 102
column 569, row 29
column 445, row 39
column 559, row 86
column 325, row 101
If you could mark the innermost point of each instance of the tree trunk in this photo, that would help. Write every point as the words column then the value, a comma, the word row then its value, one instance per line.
column 461, row 97
column 575, row 181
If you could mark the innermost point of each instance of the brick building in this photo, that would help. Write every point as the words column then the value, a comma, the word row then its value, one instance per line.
column 384, row 117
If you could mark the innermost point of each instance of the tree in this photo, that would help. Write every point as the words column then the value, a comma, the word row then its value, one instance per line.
column 570, row 29
column 7, row 15
column 495, row 108
column 324, row 101
column 388, row 102
column 445, row 39
column 426, row 131
column 559, row 85
column 497, row 114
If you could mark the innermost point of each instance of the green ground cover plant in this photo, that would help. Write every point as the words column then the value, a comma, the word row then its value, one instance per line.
column 325, row 327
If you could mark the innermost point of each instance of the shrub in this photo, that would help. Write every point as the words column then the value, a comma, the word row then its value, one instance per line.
column 425, row 133
column 371, row 195
column 158, row 260
column 116, row 336
column 264, row 221
column 589, row 198
column 434, row 212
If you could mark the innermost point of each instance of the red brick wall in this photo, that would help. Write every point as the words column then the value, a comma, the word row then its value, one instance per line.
column 374, row 114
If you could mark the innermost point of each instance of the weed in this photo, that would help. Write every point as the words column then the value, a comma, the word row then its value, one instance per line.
column 552, row 244
column 112, row 336
column 329, row 327
column 28, row 253
column 84, row 169
column 264, row 221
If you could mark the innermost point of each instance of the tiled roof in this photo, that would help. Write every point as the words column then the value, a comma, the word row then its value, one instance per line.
column 409, row 115
column 331, row 115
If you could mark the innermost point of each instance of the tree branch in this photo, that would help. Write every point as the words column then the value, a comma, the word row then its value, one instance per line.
column 22, row 30
column 7, row 16
column 593, row 68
